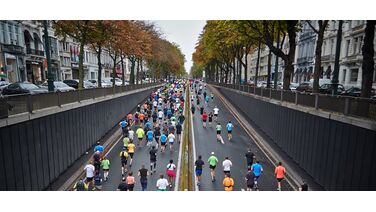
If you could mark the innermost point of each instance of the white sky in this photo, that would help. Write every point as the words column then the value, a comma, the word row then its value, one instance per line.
column 184, row 33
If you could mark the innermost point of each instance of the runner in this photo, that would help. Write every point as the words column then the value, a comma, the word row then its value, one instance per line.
column 227, row 164
column 143, row 173
column 213, row 161
column 181, row 118
column 160, row 116
column 171, row 172
column 228, row 182
column 163, row 140
column 304, row 186
column 80, row 186
column 154, row 117
column 173, row 121
column 105, row 164
column 131, row 134
column 153, row 159
column 201, row 109
column 130, row 119
column 126, row 142
column 141, row 117
column 212, row 96
column 171, row 139
column 157, row 134
column 123, row 185
column 193, row 108
column 124, row 158
column 130, row 181
column 207, row 98
column 216, row 112
column 279, row 172
column 250, row 179
column 97, row 161
column 162, row 183
column 131, row 150
column 250, row 157
column 210, row 118
column 204, row 119
column 257, row 170
column 229, row 127
column 140, row 135
column 97, row 182
column 198, row 169
column 123, row 124
column 149, row 136
column 99, row 148
column 90, row 170
column 219, row 129
column 179, row 128
column 136, row 119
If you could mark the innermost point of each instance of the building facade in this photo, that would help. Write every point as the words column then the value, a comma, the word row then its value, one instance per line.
column 12, row 52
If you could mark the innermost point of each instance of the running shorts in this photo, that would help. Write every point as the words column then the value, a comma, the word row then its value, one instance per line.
column 170, row 173
column 124, row 162
column 280, row 179
column 229, row 131
column 131, row 154
column 218, row 132
column 198, row 172
column 212, row 167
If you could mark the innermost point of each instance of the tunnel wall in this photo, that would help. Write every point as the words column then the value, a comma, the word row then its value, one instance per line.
column 337, row 155
column 34, row 153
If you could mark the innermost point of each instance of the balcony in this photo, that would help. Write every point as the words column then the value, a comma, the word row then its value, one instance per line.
column 12, row 49
column 34, row 52
column 327, row 58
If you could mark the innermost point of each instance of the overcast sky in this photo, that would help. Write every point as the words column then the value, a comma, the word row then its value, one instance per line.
column 183, row 33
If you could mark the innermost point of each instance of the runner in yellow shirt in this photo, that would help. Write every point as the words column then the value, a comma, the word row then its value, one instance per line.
column 140, row 135
column 131, row 150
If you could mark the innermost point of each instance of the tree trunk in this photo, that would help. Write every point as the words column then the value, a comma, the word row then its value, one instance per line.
column 258, row 60
column 233, row 72
column 138, row 71
column 289, row 67
column 269, row 69
column 99, row 54
column 81, row 66
column 246, row 66
column 368, row 62
column 142, row 70
column 114, row 70
column 122, row 71
column 133, row 65
column 317, row 68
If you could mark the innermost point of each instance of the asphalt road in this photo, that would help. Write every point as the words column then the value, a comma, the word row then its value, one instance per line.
column 205, row 143
column 141, row 157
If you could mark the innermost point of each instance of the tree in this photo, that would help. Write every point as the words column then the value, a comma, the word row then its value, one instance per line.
column 102, row 32
column 320, row 37
column 81, row 31
column 368, row 61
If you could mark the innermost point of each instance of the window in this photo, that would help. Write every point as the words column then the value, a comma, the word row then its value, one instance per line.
column 10, row 31
column 323, row 48
column 17, row 35
column 2, row 31
column 355, row 45
column 354, row 75
column 344, row 76
column 374, row 76
column 331, row 45
column 347, row 47
column 360, row 44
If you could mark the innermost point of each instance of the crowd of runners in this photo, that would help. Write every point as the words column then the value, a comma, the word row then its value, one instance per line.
column 200, row 99
column 156, row 125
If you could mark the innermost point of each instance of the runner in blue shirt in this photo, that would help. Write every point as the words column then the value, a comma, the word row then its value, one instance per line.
column 229, row 127
column 149, row 136
column 163, row 140
column 123, row 125
column 207, row 98
column 98, row 148
column 257, row 170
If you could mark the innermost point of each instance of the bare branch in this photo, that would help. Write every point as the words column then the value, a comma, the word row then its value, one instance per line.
column 313, row 28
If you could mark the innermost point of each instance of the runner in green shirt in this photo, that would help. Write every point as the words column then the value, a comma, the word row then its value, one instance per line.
column 105, row 164
column 213, row 161
column 126, row 141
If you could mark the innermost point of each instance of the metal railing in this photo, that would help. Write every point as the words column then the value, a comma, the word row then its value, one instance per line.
column 346, row 105
column 16, row 104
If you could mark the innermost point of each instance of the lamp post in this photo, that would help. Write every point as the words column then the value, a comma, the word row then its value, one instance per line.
column 50, row 79
column 336, row 61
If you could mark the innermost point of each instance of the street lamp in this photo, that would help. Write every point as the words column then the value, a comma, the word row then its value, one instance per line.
column 336, row 61
column 50, row 79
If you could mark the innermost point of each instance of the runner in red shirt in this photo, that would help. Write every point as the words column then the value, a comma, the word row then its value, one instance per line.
column 280, row 172
column 204, row 119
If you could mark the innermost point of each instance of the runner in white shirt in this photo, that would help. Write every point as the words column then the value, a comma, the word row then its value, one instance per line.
column 90, row 169
column 155, row 103
column 131, row 134
column 227, row 164
column 162, row 183
column 216, row 112
column 160, row 116
column 171, row 139
column 171, row 172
